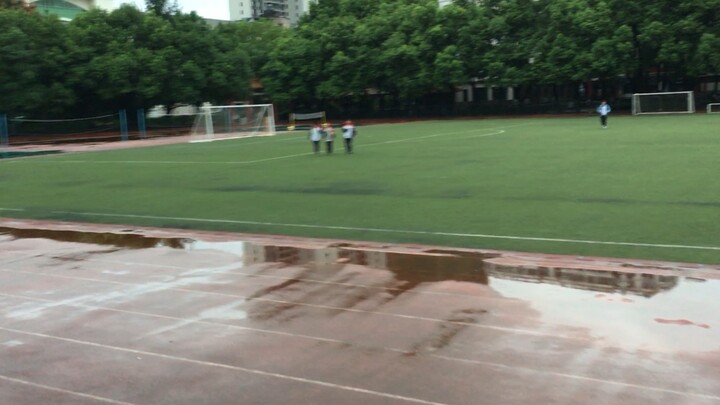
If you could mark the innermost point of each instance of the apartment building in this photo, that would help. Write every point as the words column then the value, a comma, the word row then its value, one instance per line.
column 284, row 12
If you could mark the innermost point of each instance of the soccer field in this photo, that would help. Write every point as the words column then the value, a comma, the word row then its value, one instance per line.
column 646, row 187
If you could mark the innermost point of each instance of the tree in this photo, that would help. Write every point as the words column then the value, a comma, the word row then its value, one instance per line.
column 114, row 62
column 34, row 64
column 17, row 5
column 162, row 8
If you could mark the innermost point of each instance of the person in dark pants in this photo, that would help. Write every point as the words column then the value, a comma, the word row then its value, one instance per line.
column 315, row 137
column 604, row 109
column 329, row 138
column 348, row 131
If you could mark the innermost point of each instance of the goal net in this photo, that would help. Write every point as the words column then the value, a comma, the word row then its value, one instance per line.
column 316, row 116
column 214, row 123
column 27, row 130
column 663, row 103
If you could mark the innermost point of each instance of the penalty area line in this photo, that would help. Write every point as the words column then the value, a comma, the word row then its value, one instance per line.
column 399, row 231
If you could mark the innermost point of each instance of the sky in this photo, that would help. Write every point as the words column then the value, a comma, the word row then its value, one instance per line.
column 215, row 9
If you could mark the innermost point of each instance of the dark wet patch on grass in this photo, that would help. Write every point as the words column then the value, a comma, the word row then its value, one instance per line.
column 333, row 189
column 620, row 201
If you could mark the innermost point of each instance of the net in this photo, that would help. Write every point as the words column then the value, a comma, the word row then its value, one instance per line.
column 663, row 103
column 315, row 116
column 23, row 130
column 235, row 121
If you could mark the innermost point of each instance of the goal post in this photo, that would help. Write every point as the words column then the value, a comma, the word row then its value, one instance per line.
column 213, row 123
column 713, row 108
column 675, row 102
column 316, row 116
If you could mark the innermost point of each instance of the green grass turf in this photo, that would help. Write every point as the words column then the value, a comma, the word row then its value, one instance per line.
column 644, row 180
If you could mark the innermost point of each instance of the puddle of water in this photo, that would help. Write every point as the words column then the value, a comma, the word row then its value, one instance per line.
column 413, row 268
column 129, row 241
column 650, row 313
column 627, row 308
column 630, row 283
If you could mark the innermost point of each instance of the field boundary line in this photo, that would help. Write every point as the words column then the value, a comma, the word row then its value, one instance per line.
column 496, row 131
column 402, row 231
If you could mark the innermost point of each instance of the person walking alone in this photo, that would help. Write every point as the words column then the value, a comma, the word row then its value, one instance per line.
column 329, row 138
column 604, row 109
column 348, row 131
column 315, row 137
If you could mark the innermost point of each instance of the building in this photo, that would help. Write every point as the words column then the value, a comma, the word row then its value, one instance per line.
column 284, row 12
column 67, row 10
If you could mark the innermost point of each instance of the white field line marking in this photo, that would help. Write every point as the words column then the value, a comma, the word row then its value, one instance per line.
column 402, row 231
column 265, row 141
column 12, row 209
column 582, row 378
column 318, row 306
column 496, row 131
column 447, row 358
column 187, row 321
column 227, row 367
column 74, row 393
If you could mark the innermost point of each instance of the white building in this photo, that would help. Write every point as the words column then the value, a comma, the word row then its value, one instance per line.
column 284, row 12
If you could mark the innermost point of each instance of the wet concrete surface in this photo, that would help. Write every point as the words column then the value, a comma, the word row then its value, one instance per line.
column 93, row 314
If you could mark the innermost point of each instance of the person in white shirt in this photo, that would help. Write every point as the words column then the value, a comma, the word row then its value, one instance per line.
column 315, row 137
column 348, row 131
column 604, row 109
column 329, row 138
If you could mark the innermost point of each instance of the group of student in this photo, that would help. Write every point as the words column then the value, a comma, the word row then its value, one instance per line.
column 318, row 132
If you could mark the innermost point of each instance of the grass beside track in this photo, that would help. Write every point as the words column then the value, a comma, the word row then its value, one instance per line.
column 646, row 187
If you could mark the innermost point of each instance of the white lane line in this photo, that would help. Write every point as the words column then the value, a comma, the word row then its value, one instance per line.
column 402, row 231
column 55, row 389
column 546, row 372
column 187, row 321
column 446, row 358
column 227, row 367
column 162, row 287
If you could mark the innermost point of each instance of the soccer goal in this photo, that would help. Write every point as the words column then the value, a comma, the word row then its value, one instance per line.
column 214, row 123
column 677, row 102
column 316, row 116
column 713, row 108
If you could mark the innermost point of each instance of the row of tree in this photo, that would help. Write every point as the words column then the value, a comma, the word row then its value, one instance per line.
column 345, row 49
column 128, row 59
